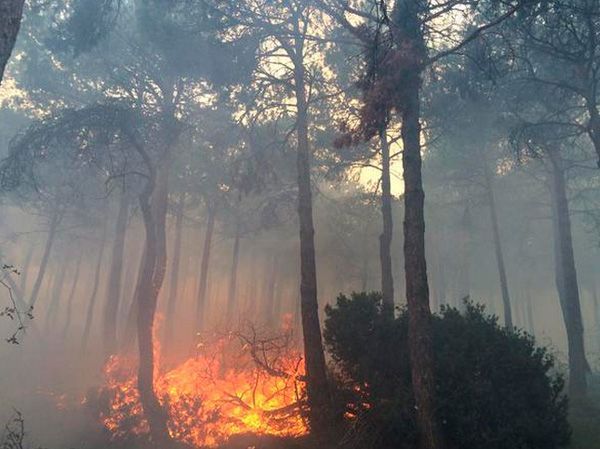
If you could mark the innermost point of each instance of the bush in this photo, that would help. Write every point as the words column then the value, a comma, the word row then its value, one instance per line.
column 495, row 388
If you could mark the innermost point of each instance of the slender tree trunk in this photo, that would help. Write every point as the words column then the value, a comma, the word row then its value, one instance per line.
column 530, row 318
column 594, row 126
column 508, row 321
column 231, row 301
column 174, row 279
column 438, row 276
column 130, row 276
column 364, row 274
column 72, row 296
column 54, row 222
column 89, row 316
column 270, row 292
column 463, row 279
column 566, row 280
column 25, row 268
column 204, row 266
column 113, row 294
column 420, row 332
column 57, row 288
column 130, row 327
column 520, row 317
column 127, row 329
column 250, row 296
column 317, row 387
column 11, row 12
column 363, row 247
column 146, row 296
column 596, row 304
column 385, row 239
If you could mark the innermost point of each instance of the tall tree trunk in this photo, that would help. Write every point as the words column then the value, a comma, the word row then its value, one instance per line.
column 566, row 280
column 26, row 268
column 174, row 279
column 364, row 274
column 385, row 239
column 130, row 326
column 411, row 47
column 462, row 287
column 530, row 317
column 130, row 276
column 57, row 288
column 72, row 296
column 11, row 12
column 249, row 308
column 113, row 293
column 271, row 285
column 420, row 332
column 89, row 315
column 231, row 297
column 316, row 375
column 520, row 317
column 596, row 304
column 594, row 125
column 204, row 266
column 154, row 208
column 438, row 283
column 489, row 184
column 54, row 222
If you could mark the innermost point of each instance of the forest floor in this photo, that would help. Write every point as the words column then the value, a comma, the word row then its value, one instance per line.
column 73, row 428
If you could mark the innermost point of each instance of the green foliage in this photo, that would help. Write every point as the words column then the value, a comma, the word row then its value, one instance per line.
column 495, row 388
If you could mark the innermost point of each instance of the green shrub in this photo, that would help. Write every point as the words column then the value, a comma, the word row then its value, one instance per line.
column 495, row 389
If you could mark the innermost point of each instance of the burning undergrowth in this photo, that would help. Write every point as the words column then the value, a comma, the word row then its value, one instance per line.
column 240, row 383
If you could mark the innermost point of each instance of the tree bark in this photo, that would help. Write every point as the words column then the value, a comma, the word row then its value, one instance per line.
column 411, row 48
column 462, row 283
column 596, row 304
column 130, row 327
column 594, row 125
column 508, row 321
column 420, row 332
column 231, row 297
column 25, row 268
column 270, row 292
column 113, row 296
column 316, row 375
column 566, row 280
column 204, row 266
column 153, row 206
column 530, row 317
column 438, row 282
column 11, row 12
column 71, row 296
column 249, row 308
column 385, row 239
column 89, row 316
column 174, row 279
column 57, row 288
column 54, row 221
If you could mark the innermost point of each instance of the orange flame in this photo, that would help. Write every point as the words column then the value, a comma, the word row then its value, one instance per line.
column 224, row 391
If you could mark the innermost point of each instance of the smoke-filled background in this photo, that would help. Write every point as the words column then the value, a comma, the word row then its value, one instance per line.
column 201, row 101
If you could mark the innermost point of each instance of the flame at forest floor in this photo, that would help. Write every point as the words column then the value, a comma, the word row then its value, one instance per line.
column 239, row 384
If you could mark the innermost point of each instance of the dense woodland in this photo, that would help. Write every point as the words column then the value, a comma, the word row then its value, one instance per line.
column 354, row 224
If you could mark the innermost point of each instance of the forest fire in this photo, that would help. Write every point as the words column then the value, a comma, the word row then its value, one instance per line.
column 232, row 386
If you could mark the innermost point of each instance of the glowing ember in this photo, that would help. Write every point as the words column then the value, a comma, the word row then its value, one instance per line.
column 234, row 386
